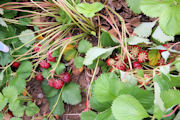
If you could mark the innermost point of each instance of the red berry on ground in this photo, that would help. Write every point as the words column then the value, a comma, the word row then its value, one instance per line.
column 39, row 77
column 135, row 50
column 58, row 84
column 142, row 57
column 137, row 65
column 120, row 66
column 37, row 48
column 110, row 62
column 65, row 77
column 50, row 58
column 44, row 64
column 16, row 64
column 51, row 82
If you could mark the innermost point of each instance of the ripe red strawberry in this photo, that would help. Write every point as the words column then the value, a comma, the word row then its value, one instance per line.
column 51, row 82
column 161, row 62
column 120, row 66
column 44, row 64
column 110, row 62
column 37, row 48
column 135, row 50
column 65, row 77
column 142, row 57
column 50, row 58
column 58, row 84
column 137, row 65
column 16, row 64
column 39, row 77
column 126, row 59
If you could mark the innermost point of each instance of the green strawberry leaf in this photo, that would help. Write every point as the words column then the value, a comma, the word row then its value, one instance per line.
column 84, row 46
column 134, row 5
column 89, row 10
column 78, row 61
column 134, row 40
column 25, row 69
column 107, row 87
column 99, row 106
column 144, row 29
column 31, row 109
column 3, row 101
column 27, row 37
column 10, row 92
column 89, row 115
column 167, row 11
column 71, row 94
column 127, row 107
column 5, row 58
column 19, row 83
column 59, row 110
column 15, row 118
column 159, row 35
column 96, row 52
column 170, row 98
column 105, row 115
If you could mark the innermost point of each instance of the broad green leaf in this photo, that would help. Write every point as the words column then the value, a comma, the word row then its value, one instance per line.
column 163, row 81
column 25, row 69
column 106, row 40
column 107, row 87
column 31, row 109
column 159, row 35
column 127, row 107
column 170, row 98
column 71, row 94
column 17, row 108
column 169, row 20
column 89, row 115
column 10, row 92
column 84, row 46
column 153, row 8
column 9, row 13
column 167, row 11
column 27, row 37
column 158, row 113
column 105, row 115
column 145, row 97
column 89, row 10
column 134, row 40
column 153, row 56
column 59, row 68
column 5, row 58
column 59, row 110
column 134, row 5
column 70, row 54
column 78, row 61
column 96, row 52
column 128, row 78
column 3, row 23
column 15, row 118
column 99, row 106
column 1, row 75
column 46, row 72
column 47, row 90
column 19, row 83
column 3, row 101
column 144, row 29
column 175, row 80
